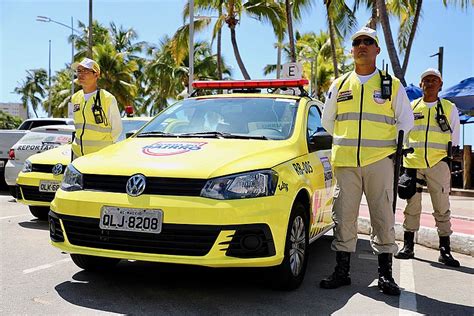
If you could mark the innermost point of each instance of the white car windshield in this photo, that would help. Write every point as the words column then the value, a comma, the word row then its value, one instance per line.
column 242, row 117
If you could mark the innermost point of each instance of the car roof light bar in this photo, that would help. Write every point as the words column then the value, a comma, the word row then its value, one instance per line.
column 249, row 84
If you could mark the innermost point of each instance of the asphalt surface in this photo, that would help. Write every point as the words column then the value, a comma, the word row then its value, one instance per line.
column 37, row 279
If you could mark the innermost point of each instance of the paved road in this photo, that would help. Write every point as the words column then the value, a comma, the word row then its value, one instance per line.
column 37, row 279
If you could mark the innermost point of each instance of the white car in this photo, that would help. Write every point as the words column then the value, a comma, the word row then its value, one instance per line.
column 39, row 139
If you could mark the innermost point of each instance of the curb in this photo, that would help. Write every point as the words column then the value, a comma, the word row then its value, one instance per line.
column 428, row 237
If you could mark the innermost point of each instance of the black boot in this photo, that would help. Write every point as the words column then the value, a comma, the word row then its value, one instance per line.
column 407, row 251
column 341, row 272
column 386, row 282
column 445, row 252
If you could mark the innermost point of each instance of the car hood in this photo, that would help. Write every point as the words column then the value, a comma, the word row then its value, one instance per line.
column 61, row 154
column 187, row 158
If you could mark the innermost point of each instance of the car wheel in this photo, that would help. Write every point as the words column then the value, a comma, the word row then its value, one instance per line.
column 93, row 263
column 290, row 273
column 40, row 212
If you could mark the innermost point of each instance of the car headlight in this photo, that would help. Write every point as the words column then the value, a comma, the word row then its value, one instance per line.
column 72, row 180
column 28, row 166
column 241, row 186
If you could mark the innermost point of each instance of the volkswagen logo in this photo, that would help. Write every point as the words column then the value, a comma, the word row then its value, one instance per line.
column 57, row 169
column 136, row 185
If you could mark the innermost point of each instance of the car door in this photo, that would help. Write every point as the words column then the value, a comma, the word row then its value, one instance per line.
column 319, row 154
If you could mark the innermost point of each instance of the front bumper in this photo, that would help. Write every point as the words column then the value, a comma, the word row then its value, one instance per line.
column 198, row 231
column 28, row 187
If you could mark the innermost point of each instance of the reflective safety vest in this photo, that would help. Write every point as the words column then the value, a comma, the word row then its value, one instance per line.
column 364, row 130
column 90, row 136
column 426, row 137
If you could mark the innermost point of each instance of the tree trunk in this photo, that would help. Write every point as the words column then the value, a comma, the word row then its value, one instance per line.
column 219, row 49
column 332, row 36
column 237, row 54
column 374, row 17
column 291, row 37
column 392, row 52
column 412, row 36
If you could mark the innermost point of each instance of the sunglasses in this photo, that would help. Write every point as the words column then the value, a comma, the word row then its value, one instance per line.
column 84, row 71
column 367, row 41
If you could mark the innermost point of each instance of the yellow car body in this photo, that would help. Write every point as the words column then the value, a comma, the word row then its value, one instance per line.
column 196, row 228
column 37, row 187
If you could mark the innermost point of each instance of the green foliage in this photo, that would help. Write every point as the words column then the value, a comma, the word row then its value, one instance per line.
column 8, row 121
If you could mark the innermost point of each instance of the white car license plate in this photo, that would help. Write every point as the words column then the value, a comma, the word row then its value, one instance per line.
column 49, row 186
column 131, row 219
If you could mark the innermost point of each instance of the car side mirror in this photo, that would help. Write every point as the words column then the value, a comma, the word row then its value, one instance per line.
column 130, row 133
column 320, row 141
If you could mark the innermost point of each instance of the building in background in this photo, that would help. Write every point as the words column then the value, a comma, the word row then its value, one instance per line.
column 15, row 109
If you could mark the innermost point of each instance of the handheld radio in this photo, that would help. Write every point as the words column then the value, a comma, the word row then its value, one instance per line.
column 386, row 84
column 97, row 110
column 441, row 118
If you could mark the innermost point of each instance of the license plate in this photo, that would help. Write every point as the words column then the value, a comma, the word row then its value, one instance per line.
column 131, row 219
column 49, row 186
column 2, row 163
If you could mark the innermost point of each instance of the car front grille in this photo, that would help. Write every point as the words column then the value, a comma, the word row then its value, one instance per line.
column 174, row 239
column 32, row 193
column 155, row 186
column 42, row 168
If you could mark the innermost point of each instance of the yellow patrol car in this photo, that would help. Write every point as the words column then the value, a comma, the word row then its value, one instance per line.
column 42, row 174
column 241, row 179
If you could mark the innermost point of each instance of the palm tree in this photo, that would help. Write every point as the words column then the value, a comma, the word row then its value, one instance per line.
column 116, row 73
column 61, row 93
column 32, row 90
column 387, row 31
column 230, row 12
column 341, row 20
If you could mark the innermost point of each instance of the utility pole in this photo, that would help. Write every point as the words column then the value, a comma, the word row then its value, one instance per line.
column 72, row 56
column 90, row 30
column 440, row 55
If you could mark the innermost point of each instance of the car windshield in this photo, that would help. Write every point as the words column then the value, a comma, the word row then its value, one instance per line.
column 130, row 125
column 229, row 117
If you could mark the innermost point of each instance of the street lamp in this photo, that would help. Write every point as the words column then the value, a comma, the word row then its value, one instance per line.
column 41, row 18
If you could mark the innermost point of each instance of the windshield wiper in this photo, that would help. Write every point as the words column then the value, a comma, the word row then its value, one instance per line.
column 216, row 134
column 156, row 134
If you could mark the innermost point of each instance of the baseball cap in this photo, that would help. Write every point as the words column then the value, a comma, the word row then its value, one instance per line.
column 87, row 63
column 431, row 72
column 367, row 31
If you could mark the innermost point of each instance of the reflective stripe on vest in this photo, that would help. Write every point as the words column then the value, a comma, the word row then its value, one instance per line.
column 426, row 137
column 364, row 129
column 90, row 136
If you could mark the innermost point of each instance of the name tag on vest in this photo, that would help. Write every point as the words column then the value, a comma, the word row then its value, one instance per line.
column 344, row 96
column 418, row 116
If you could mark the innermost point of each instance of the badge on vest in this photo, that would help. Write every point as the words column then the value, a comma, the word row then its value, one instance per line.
column 76, row 107
column 418, row 116
column 344, row 96
column 378, row 97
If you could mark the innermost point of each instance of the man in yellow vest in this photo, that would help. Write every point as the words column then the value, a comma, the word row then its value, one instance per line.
column 363, row 111
column 436, row 124
column 96, row 115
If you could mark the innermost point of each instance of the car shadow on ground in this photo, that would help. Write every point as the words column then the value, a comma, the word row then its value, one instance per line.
column 35, row 224
column 152, row 288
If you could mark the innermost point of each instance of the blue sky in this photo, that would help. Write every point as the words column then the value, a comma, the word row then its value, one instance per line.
column 24, row 41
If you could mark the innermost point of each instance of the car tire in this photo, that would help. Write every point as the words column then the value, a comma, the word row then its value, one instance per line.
column 93, row 263
column 40, row 212
column 290, row 273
